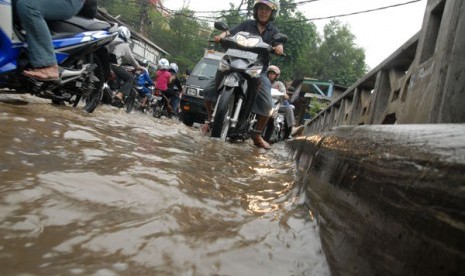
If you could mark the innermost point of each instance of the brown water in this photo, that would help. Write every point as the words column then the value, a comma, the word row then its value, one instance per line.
column 115, row 194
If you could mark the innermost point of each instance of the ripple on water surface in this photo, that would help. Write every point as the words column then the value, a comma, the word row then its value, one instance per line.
column 109, row 193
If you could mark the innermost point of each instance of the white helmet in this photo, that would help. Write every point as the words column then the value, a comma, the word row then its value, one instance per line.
column 124, row 33
column 273, row 4
column 174, row 67
column 163, row 64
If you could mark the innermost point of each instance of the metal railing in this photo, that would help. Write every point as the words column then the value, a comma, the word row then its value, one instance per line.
column 422, row 82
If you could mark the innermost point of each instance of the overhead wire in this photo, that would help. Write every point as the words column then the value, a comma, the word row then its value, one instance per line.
column 219, row 11
column 206, row 18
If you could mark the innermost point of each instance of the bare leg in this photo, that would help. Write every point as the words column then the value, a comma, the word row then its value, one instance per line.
column 257, row 135
column 207, row 126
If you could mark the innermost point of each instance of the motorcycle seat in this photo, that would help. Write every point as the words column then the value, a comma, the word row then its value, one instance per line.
column 69, row 27
column 76, row 24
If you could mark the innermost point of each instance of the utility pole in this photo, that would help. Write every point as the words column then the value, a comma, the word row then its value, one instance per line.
column 144, row 4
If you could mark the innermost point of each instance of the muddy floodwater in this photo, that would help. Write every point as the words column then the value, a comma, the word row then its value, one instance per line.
column 111, row 193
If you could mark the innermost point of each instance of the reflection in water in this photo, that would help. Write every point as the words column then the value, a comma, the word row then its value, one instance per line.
column 114, row 194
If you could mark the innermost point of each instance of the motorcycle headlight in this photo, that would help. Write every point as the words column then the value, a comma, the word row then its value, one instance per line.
column 191, row 91
column 254, row 72
column 246, row 42
column 223, row 66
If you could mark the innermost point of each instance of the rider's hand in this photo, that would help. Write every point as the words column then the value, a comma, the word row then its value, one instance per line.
column 219, row 37
column 279, row 49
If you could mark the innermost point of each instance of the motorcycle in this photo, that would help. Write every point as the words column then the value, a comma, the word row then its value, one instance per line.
column 141, row 96
column 276, row 128
column 81, row 55
column 161, row 105
column 232, row 117
column 112, row 85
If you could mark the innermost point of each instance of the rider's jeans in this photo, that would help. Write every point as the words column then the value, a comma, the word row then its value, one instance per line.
column 33, row 14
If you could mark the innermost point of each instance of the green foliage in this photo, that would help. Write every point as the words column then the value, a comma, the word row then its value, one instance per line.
column 338, row 58
column 316, row 106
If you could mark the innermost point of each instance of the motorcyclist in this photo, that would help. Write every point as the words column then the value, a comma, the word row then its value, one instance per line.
column 162, row 79
column 264, row 12
column 174, row 88
column 142, row 81
column 273, row 74
column 120, row 48
column 32, row 15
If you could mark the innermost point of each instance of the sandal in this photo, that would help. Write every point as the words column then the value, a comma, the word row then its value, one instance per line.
column 47, row 73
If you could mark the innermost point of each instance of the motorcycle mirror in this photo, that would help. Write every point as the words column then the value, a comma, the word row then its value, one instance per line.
column 281, row 38
column 221, row 26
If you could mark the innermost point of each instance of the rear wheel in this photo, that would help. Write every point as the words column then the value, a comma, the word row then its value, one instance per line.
column 130, row 100
column 157, row 110
column 223, row 114
column 95, row 92
column 107, row 97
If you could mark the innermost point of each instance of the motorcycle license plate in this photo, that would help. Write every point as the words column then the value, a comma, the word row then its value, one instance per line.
column 241, row 54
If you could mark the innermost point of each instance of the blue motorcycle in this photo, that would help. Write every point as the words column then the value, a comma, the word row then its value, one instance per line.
column 80, row 51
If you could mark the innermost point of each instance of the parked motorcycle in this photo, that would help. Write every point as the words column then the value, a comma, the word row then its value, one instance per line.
column 81, row 55
column 232, row 117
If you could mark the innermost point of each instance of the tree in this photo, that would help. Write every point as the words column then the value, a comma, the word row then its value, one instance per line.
column 188, row 38
column 338, row 58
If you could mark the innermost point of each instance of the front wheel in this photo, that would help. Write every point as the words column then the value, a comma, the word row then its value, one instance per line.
column 187, row 119
column 223, row 114
column 270, row 134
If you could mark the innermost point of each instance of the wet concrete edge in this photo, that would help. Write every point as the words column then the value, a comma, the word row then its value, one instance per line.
column 390, row 200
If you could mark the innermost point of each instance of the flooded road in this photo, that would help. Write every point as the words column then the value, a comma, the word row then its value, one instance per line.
column 115, row 194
